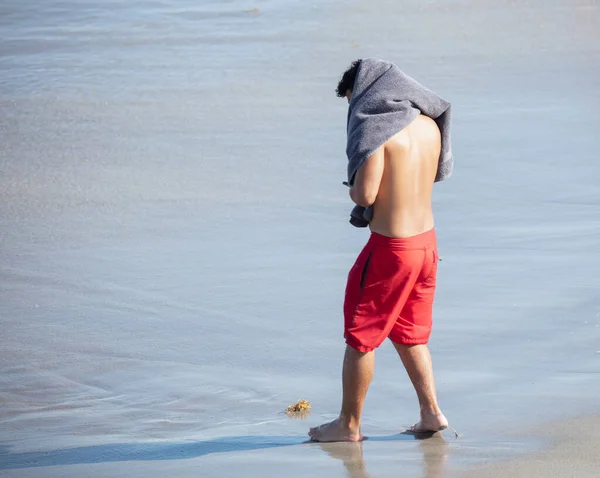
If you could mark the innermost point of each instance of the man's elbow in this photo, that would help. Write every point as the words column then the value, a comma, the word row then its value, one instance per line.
column 364, row 198
column 368, row 201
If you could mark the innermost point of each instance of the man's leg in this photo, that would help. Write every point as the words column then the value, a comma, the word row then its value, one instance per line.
column 417, row 361
column 356, row 378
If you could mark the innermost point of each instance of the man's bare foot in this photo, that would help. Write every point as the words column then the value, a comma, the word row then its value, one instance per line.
column 336, row 430
column 430, row 423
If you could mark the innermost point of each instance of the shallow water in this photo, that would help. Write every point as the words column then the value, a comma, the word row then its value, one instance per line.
column 174, row 238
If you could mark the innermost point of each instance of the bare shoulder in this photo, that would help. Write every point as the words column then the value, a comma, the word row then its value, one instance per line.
column 425, row 128
column 422, row 134
column 422, row 130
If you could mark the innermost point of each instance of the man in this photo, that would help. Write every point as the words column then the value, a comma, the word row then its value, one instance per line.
column 390, row 288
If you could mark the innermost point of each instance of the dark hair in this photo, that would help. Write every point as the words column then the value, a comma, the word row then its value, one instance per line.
column 348, row 78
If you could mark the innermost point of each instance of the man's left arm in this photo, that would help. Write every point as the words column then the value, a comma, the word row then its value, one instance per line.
column 368, row 178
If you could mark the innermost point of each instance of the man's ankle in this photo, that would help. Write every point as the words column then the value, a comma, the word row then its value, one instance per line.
column 432, row 409
column 350, row 422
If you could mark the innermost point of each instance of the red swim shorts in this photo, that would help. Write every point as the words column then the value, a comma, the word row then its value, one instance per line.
column 390, row 291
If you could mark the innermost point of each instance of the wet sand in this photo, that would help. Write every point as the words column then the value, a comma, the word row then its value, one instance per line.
column 572, row 450
column 174, row 238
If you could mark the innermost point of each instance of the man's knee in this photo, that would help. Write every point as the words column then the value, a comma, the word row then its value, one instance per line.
column 356, row 346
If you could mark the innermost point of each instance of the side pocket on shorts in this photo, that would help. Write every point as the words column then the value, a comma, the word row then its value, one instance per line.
column 363, row 275
column 433, row 273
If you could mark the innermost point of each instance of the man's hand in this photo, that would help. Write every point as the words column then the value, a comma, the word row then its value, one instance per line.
column 368, row 178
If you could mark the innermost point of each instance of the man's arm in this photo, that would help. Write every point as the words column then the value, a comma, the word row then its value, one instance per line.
column 368, row 178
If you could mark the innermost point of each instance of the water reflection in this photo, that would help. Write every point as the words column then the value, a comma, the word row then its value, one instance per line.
column 435, row 453
column 351, row 454
column 434, row 449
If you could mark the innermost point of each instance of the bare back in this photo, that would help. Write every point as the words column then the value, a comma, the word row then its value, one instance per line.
column 403, row 204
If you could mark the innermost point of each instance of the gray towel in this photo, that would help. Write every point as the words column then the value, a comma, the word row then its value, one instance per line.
column 384, row 101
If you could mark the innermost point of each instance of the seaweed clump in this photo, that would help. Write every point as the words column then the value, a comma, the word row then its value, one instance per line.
column 300, row 409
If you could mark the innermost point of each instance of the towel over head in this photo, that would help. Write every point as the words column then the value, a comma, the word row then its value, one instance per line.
column 384, row 101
